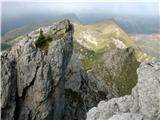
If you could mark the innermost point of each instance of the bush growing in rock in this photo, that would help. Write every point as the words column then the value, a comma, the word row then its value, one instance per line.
column 43, row 41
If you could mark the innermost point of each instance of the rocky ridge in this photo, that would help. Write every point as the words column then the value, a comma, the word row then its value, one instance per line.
column 53, row 86
column 142, row 104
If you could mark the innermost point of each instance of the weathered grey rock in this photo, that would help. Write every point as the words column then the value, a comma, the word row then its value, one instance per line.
column 148, row 89
column 59, row 55
column 142, row 104
column 127, row 116
column 33, row 87
column 27, row 64
column 8, row 87
column 82, row 91
column 73, row 75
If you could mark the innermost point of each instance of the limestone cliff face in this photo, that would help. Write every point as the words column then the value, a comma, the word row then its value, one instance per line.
column 33, row 84
column 142, row 104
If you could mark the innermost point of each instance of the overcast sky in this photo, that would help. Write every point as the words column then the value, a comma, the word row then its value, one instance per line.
column 84, row 0
column 22, row 12
column 14, row 9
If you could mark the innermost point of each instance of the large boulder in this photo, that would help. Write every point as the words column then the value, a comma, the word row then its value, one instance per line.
column 142, row 104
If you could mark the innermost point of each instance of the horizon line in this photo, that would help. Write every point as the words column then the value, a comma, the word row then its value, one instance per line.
column 85, row 1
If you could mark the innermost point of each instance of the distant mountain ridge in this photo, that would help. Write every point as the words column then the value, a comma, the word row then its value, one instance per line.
column 131, row 26
column 149, row 44
column 96, row 36
column 28, row 28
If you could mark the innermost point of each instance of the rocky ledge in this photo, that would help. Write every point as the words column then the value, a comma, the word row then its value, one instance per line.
column 142, row 104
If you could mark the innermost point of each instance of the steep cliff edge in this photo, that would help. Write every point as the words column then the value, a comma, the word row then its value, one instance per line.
column 33, row 83
column 142, row 104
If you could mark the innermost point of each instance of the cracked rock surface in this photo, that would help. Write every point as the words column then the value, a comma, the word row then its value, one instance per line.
column 31, row 85
column 142, row 104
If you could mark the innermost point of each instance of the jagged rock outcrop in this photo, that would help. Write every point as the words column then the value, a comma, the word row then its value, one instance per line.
column 32, row 83
column 142, row 104
column 52, row 86
column 82, row 91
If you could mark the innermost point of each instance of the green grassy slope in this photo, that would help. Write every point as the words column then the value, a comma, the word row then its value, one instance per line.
column 102, row 36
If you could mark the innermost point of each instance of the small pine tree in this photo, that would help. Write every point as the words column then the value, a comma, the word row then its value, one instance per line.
column 41, row 39
column 41, row 36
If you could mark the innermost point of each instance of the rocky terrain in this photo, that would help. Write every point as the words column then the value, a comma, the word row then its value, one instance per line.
column 62, row 79
column 42, row 86
column 29, row 78
column 142, row 104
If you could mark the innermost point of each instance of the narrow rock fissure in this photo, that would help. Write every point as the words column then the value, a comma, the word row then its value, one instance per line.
column 19, row 100
column 31, row 83
column 17, row 108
